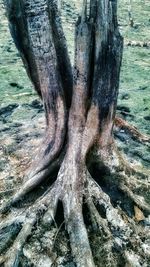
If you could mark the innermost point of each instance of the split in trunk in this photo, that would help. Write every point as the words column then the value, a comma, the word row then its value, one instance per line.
column 80, row 115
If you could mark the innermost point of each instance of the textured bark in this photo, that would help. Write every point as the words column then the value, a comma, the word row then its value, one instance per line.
column 80, row 115
column 32, row 26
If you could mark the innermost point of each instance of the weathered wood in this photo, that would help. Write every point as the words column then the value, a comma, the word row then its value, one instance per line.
column 64, row 63
column 80, row 113
column 108, row 56
column 32, row 27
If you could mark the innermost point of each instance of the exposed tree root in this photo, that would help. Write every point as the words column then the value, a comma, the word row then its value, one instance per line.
column 32, row 183
column 121, row 174
column 12, row 256
column 133, row 131
column 78, row 136
column 115, row 227
column 110, row 158
column 79, row 239
column 27, row 219
column 138, row 200
column 98, row 222
column 112, row 215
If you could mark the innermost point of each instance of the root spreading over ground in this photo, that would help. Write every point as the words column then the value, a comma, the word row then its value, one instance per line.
column 85, row 176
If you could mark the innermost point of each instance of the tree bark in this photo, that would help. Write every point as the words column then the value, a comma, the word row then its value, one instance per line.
column 80, row 112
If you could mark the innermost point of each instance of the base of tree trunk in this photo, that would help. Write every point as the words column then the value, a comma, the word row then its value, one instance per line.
column 81, row 190
column 87, row 173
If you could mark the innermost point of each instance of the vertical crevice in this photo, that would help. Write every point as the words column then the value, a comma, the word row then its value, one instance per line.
column 63, row 60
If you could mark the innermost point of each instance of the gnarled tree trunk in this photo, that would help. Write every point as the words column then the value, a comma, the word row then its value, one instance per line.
column 80, row 112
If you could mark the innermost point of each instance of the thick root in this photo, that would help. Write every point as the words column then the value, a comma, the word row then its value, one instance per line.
column 72, row 177
column 138, row 200
column 74, row 184
column 98, row 223
column 110, row 158
column 135, row 134
column 114, row 227
column 121, row 174
column 121, row 228
column 31, row 184
column 113, row 217
column 79, row 240
column 26, row 188
column 132, row 259
column 12, row 256
column 28, row 218
column 88, row 122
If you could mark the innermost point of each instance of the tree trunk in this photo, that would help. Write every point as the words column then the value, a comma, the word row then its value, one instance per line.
column 80, row 111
